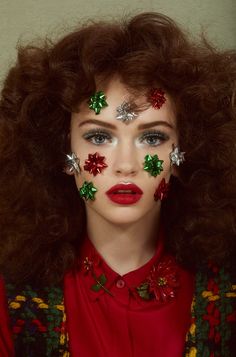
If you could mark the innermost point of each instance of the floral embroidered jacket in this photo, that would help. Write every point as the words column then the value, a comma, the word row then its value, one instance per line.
column 39, row 322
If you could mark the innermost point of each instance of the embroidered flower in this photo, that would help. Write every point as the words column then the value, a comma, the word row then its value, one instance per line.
column 161, row 283
column 88, row 265
column 101, row 280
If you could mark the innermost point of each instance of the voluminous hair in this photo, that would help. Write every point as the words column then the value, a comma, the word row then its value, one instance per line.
column 42, row 217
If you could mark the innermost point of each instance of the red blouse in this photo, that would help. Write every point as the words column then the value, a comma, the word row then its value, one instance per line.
column 145, row 312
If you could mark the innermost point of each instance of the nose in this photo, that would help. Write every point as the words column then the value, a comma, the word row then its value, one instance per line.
column 126, row 161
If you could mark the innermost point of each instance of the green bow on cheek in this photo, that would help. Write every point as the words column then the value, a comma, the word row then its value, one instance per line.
column 153, row 165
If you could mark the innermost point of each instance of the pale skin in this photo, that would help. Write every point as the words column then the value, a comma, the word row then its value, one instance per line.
column 124, row 235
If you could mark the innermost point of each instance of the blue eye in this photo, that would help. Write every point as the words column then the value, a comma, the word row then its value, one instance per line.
column 154, row 138
column 97, row 137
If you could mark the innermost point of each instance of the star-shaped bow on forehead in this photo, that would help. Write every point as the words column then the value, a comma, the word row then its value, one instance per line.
column 125, row 113
column 97, row 102
column 157, row 97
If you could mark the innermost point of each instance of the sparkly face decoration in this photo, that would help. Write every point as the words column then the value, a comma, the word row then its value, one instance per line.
column 157, row 97
column 95, row 164
column 153, row 165
column 162, row 190
column 97, row 102
column 125, row 113
column 125, row 190
column 88, row 191
column 72, row 163
column 176, row 156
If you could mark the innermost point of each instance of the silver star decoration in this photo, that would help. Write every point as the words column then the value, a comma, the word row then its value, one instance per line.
column 176, row 156
column 124, row 113
column 72, row 161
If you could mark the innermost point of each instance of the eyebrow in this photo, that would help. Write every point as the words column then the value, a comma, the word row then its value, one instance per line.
column 98, row 122
column 140, row 127
column 154, row 123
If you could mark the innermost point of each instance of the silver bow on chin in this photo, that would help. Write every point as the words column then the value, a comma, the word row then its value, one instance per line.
column 72, row 162
column 125, row 113
column 176, row 156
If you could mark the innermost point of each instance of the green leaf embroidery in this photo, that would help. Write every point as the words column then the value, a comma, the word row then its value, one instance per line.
column 101, row 282
column 102, row 279
column 143, row 291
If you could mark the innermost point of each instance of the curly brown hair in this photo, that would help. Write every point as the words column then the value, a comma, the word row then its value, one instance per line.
column 42, row 218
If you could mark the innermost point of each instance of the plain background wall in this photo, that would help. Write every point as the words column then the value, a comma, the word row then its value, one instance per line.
column 25, row 20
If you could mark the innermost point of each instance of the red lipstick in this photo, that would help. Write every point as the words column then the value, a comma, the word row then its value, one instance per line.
column 124, row 194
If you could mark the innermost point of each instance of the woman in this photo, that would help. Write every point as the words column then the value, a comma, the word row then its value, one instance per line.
column 118, row 209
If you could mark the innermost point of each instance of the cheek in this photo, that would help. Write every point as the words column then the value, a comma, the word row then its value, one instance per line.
column 167, row 167
column 164, row 154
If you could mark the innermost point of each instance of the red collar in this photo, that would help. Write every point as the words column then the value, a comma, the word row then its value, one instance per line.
column 155, row 281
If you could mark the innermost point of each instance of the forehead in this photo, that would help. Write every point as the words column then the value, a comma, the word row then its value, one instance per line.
column 116, row 93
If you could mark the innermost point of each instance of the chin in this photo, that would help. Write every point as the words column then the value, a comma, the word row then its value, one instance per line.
column 123, row 222
column 127, row 217
column 121, row 215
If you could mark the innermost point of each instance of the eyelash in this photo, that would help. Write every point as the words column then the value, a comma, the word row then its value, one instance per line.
column 93, row 135
column 158, row 135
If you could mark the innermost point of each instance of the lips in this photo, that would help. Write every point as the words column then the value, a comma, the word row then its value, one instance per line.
column 124, row 194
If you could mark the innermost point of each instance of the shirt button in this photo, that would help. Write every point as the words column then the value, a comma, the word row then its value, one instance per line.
column 120, row 283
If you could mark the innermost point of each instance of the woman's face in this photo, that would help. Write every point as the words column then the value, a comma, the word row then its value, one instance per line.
column 124, row 147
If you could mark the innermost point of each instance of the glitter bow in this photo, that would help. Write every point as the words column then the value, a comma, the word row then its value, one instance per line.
column 72, row 162
column 97, row 102
column 153, row 165
column 176, row 156
column 157, row 97
column 124, row 113
column 95, row 164
column 162, row 190
column 88, row 191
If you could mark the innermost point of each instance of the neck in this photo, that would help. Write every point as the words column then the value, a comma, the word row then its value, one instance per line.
column 124, row 247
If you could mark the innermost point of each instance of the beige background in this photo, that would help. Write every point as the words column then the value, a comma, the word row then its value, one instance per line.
column 27, row 19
